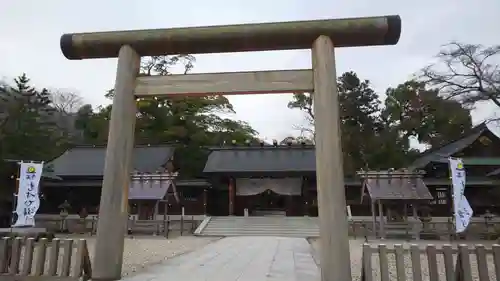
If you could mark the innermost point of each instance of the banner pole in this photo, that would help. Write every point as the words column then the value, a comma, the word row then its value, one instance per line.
column 15, row 194
column 453, row 200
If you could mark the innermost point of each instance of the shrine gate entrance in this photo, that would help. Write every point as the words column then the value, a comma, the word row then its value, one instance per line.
column 321, row 36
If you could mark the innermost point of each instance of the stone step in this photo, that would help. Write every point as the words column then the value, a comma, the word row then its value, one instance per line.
column 262, row 229
column 260, row 226
column 298, row 235
column 265, row 218
column 249, row 233
column 260, row 232
column 265, row 224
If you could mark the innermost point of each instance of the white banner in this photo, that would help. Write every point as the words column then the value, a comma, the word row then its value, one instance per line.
column 349, row 213
column 461, row 208
column 28, row 200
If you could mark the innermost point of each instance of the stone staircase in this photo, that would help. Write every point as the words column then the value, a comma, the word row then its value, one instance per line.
column 259, row 226
column 268, row 213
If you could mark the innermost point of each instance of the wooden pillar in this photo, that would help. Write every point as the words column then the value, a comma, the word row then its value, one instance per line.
column 305, row 197
column 231, row 196
column 155, row 211
column 113, row 211
column 289, row 205
column 335, row 259
column 139, row 209
column 205, row 201
column 415, row 221
column 374, row 218
column 382, row 222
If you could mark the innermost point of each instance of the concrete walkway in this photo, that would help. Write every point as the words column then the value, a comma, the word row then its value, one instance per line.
column 240, row 259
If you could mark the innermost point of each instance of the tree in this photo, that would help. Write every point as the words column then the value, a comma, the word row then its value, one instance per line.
column 93, row 126
column 419, row 112
column 378, row 137
column 466, row 72
column 359, row 105
column 28, row 130
column 360, row 125
column 304, row 102
column 66, row 102
column 190, row 123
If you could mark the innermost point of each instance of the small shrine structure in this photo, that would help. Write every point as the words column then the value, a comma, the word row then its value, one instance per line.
column 148, row 190
column 393, row 194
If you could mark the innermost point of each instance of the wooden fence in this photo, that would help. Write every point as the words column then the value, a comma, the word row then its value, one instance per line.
column 446, row 263
column 433, row 230
column 181, row 224
column 25, row 259
column 186, row 224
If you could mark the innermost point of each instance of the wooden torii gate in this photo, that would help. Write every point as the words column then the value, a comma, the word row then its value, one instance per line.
column 321, row 36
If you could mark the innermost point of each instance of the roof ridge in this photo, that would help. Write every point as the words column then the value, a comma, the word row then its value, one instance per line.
column 266, row 147
column 105, row 145
column 474, row 130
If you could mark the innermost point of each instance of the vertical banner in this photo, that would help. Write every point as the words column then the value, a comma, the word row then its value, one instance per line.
column 461, row 208
column 349, row 213
column 28, row 200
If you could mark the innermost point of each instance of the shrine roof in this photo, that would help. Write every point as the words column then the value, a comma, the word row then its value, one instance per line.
column 299, row 158
column 441, row 154
column 89, row 160
column 474, row 161
column 495, row 173
column 396, row 186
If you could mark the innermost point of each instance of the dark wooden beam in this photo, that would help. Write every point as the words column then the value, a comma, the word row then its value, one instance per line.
column 350, row 32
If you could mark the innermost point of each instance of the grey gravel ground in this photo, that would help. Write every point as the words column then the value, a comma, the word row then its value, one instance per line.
column 143, row 251
column 356, row 257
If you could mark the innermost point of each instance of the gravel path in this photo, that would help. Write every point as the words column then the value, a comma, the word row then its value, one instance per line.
column 142, row 251
column 356, row 256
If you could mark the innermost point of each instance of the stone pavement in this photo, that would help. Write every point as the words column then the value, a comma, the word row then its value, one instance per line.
column 240, row 259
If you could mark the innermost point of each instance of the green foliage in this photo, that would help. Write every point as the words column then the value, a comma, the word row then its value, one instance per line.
column 421, row 113
column 28, row 125
column 190, row 123
column 378, row 137
column 29, row 129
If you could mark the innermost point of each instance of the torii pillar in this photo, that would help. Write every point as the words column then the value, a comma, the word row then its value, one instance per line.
column 321, row 36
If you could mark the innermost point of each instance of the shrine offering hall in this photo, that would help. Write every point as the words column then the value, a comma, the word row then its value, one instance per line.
column 260, row 180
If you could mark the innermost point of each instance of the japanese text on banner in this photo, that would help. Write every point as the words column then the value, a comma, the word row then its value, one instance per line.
column 28, row 200
column 461, row 208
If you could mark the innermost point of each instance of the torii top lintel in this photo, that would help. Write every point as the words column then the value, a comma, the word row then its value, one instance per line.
column 348, row 32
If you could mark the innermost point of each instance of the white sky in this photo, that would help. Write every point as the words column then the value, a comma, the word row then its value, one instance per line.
column 30, row 32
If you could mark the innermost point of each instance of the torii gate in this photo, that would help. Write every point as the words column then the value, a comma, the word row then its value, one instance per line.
column 321, row 36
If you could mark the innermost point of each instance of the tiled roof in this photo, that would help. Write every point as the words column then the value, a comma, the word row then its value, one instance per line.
column 261, row 159
column 436, row 155
column 397, row 188
column 89, row 160
column 495, row 173
column 474, row 161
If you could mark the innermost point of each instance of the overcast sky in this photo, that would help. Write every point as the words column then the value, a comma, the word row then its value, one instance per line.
column 30, row 32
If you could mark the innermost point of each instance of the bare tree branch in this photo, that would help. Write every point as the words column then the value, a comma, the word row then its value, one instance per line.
column 466, row 72
column 66, row 102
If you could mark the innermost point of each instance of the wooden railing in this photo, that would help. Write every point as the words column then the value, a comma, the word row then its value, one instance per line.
column 186, row 224
column 446, row 263
column 442, row 230
column 26, row 259
column 182, row 224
